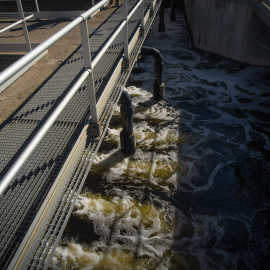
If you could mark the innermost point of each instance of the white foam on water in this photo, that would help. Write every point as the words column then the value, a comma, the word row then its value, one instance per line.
column 127, row 229
column 76, row 256
column 132, row 228
column 160, row 131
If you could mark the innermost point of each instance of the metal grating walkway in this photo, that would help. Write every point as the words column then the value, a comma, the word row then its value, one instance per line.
column 31, row 222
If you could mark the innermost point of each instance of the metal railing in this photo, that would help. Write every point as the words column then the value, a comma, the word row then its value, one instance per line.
column 28, row 45
column 16, row 23
column 26, row 59
column 86, row 75
column 266, row 3
column 61, row 161
column 24, row 17
column 22, row 21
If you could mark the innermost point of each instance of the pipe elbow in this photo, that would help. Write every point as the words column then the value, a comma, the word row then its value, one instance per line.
column 145, row 51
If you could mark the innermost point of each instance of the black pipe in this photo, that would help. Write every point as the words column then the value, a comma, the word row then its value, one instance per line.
column 127, row 137
column 126, row 111
column 158, row 85
column 161, row 25
column 173, row 13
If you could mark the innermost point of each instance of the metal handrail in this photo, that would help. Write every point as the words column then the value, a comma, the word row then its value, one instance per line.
column 41, row 133
column 14, row 68
column 134, row 9
column 9, row 72
column 36, row 246
column 108, row 44
column 16, row 23
column 26, row 59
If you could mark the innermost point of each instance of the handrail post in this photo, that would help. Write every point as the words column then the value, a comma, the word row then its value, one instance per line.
column 152, row 8
column 37, row 7
column 25, row 31
column 126, row 63
column 142, row 19
column 94, row 126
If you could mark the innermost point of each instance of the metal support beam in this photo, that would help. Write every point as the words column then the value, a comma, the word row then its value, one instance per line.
column 36, row 4
column 158, row 85
column 94, row 127
column 127, row 137
column 126, row 52
column 25, row 31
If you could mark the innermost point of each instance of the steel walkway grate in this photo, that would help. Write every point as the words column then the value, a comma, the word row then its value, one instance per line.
column 22, row 201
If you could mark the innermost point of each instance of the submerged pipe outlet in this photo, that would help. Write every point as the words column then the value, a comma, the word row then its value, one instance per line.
column 127, row 137
column 158, row 85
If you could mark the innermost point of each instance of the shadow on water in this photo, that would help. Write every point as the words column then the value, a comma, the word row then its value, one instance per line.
column 228, row 196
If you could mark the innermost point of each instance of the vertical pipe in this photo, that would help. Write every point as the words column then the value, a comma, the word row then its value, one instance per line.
column 161, row 25
column 127, row 137
column 126, row 52
column 25, row 31
column 37, row 7
column 88, row 65
column 173, row 13
column 93, row 3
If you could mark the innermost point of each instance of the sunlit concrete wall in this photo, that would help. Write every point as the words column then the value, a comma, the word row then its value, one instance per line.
column 237, row 29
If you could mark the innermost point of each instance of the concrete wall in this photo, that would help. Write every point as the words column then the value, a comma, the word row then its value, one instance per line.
column 230, row 28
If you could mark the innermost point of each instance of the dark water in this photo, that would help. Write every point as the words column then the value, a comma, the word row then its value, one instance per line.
column 196, row 193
